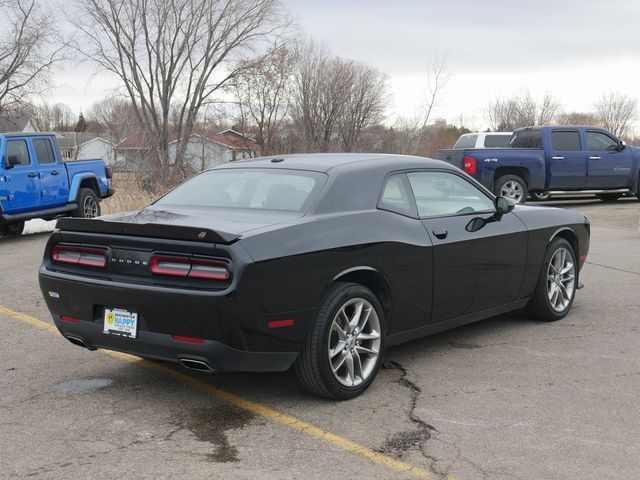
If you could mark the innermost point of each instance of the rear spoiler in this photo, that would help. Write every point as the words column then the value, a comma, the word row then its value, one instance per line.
column 154, row 230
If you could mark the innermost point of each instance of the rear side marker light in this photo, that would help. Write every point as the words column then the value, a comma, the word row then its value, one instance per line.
column 470, row 164
column 69, row 319
column 207, row 269
column 583, row 257
column 180, row 338
column 290, row 322
column 77, row 255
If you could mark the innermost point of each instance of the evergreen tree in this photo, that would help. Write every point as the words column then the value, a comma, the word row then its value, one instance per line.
column 81, row 126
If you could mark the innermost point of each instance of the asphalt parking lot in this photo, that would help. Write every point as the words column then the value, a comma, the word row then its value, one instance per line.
column 500, row 399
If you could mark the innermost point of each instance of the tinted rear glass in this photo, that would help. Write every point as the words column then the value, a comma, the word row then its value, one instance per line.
column 466, row 141
column 496, row 141
column 565, row 141
column 526, row 139
column 247, row 188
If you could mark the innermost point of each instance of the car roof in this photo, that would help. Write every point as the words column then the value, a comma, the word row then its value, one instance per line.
column 324, row 162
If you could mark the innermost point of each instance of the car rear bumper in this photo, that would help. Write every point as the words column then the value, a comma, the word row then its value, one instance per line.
column 216, row 355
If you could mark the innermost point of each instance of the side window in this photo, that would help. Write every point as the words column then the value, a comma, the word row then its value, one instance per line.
column 395, row 196
column 18, row 149
column 565, row 141
column 496, row 141
column 466, row 141
column 598, row 141
column 44, row 152
column 526, row 139
column 442, row 193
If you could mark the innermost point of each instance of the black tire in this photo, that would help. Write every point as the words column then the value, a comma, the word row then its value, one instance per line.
column 519, row 195
column 12, row 229
column 88, row 204
column 539, row 306
column 313, row 366
column 609, row 197
column 540, row 196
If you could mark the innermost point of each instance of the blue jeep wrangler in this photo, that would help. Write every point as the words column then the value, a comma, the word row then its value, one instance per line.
column 36, row 183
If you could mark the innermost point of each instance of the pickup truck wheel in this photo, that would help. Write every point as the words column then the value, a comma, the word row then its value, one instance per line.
column 344, row 346
column 88, row 204
column 556, row 287
column 12, row 229
column 609, row 197
column 540, row 196
column 512, row 187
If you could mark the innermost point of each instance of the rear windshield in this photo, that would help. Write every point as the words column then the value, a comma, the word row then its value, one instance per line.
column 466, row 141
column 247, row 188
column 496, row 141
column 526, row 139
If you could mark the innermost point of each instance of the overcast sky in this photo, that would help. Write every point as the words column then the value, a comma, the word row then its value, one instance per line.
column 575, row 50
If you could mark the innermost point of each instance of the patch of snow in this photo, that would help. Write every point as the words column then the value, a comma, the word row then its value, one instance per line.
column 39, row 226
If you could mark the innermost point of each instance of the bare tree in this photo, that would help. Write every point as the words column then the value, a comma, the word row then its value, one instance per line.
column 577, row 118
column 26, row 51
column 334, row 99
column 174, row 55
column 365, row 104
column 57, row 117
column 437, row 79
column 116, row 116
column 521, row 110
column 263, row 93
column 616, row 112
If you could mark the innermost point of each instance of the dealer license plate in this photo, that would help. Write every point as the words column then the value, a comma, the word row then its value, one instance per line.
column 118, row 321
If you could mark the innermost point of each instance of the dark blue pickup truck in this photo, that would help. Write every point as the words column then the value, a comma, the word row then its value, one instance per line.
column 36, row 183
column 541, row 160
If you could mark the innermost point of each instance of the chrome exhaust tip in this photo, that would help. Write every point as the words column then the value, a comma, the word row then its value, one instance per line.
column 198, row 365
column 77, row 341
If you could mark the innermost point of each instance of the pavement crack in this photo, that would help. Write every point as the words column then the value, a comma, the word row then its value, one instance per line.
column 613, row 268
column 403, row 441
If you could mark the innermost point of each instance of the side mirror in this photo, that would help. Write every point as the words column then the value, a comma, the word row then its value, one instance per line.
column 622, row 145
column 503, row 205
column 12, row 161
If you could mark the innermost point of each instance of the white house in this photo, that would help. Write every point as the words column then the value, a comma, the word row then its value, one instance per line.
column 98, row 148
column 24, row 124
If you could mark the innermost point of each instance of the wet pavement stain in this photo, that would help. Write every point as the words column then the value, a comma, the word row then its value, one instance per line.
column 211, row 424
column 82, row 385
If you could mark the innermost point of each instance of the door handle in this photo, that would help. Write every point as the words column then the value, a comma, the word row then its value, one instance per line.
column 55, row 172
column 32, row 174
column 595, row 158
column 440, row 233
column 557, row 158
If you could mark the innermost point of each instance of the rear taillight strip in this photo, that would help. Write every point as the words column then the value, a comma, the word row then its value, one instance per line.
column 207, row 269
column 78, row 255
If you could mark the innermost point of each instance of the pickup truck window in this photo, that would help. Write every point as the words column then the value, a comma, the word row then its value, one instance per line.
column 527, row 139
column 18, row 149
column 441, row 193
column 44, row 152
column 600, row 142
column 496, row 141
column 466, row 141
column 565, row 141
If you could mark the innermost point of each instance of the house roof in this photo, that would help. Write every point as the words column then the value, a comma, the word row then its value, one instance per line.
column 228, row 138
column 14, row 124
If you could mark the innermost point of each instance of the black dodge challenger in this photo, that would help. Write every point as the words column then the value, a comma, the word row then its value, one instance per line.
column 317, row 261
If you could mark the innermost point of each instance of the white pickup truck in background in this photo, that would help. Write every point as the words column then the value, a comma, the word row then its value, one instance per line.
column 483, row 140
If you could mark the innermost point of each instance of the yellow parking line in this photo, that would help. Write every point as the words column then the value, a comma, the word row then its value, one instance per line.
column 254, row 407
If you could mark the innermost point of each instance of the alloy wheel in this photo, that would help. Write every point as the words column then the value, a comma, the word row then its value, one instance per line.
column 354, row 342
column 90, row 207
column 512, row 190
column 560, row 279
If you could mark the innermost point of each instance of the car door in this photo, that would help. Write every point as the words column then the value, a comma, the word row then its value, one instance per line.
column 568, row 160
column 21, row 180
column 609, row 166
column 473, row 270
column 54, row 185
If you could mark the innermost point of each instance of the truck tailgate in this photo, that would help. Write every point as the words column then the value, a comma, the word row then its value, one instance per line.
column 453, row 156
